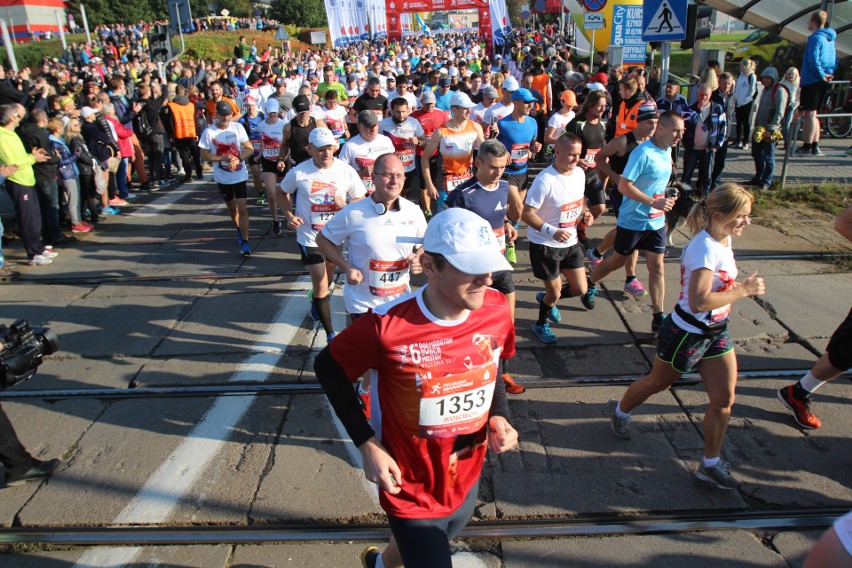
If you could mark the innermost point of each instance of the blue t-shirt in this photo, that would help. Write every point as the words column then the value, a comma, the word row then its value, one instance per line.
column 649, row 168
column 442, row 102
column 516, row 137
column 490, row 204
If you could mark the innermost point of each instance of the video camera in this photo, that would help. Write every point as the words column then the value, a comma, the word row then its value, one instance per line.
column 24, row 349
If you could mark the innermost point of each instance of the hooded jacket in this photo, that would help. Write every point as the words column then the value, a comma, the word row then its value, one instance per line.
column 820, row 56
column 773, row 102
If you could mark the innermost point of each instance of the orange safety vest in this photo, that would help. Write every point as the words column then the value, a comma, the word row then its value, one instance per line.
column 184, row 119
column 627, row 117
column 542, row 83
column 211, row 108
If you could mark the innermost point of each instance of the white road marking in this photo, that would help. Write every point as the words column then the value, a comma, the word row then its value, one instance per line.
column 168, row 484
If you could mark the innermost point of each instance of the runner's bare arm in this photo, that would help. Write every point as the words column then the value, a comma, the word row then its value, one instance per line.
column 333, row 253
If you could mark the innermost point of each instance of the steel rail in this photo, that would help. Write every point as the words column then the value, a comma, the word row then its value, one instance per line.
column 250, row 389
column 610, row 525
column 164, row 278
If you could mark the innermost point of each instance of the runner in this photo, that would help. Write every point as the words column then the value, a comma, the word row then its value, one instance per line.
column 406, row 134
column 320, row 187
column 430, row 119
column 294, row 144
column 447, row 339
column 455, row 141
column 378, row 233
column 552, row 210
column 695, row 336
column 250, row 121
column 272, row 134
column 361, row 151
column 227, row 145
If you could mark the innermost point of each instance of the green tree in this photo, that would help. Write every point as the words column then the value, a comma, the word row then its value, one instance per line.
column 303, row 13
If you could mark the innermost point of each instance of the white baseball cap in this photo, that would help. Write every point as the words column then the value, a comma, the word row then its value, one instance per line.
column 466, row 240
column 461, row 100
column 272, row 105
column 510, row 84
column 322, row 137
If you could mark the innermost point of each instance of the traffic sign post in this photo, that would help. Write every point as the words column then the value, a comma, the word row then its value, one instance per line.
column 663, row 20
column 594, row 5
column 593, row 21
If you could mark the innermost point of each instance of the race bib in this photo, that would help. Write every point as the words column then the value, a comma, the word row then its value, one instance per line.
column 407, row 158
column 500, row 234
column 656, row 213
column 271, row 147
column 452, row 181
column 520, row 154
column 456, row 405
column 590, row 157
column 322, row 213
column 571, row 214
column 388, row 277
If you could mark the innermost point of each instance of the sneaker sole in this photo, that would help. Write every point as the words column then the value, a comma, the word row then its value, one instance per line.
column 792, row 412
column 637, row 296
column 545, row 341
column 710, row 480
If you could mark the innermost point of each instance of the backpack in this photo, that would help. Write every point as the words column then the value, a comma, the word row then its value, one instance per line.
column 775, row 89
column 144, row 124
column 200, row 121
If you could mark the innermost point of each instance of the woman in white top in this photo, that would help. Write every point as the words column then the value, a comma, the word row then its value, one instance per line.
column 695, row 334
column 745, row 91
column 791, row 81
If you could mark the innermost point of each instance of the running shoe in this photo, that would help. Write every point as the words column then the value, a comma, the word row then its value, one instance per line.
column 245, row 249
column 815, row 151
column 262, row 200
column 331, row 336
column 620, row 426
column 544, row 333
column 718, row 475
column 511, row 255
column 110, row 211
column 588, row 298
column 117, row 201
column 511, row 386
column 276, row 227
column 364, row 398
column 81, row 228
column 635, row 288
column 369, row 557
column 800, row 409
column 657, row 322
column 48, row 252
column 554, row 314
column 129, row 196
column 594, row 259
column 39, row 260
column 314, row 312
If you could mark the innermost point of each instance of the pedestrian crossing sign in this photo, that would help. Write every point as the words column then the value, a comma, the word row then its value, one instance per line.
column 664, row 20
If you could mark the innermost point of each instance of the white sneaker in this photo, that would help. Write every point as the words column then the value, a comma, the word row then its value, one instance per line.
column 40, row 260
column 49, row 253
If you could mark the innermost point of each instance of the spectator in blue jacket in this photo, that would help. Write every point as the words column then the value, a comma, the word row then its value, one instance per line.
column 705, row 133
column 817, row 72
column 673, row 100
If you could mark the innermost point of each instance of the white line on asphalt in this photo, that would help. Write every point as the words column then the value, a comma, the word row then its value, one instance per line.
column 163, row 202
column 168, row 484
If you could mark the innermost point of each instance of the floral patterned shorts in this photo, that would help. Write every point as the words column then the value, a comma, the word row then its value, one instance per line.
column 684, row 350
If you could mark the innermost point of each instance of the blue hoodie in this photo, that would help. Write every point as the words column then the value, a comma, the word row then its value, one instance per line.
column 820, row 56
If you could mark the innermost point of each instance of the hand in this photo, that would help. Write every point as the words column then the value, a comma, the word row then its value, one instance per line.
column 414, row 265
column 501, row 436
column 588, row 218
column 233, row 162
column 354, row 276
column 137, row 107
column 535, row 147
column 754, row 285
column 511, row 233
column 340, row 201
column 433, row 193
column 560, row 235
column 294, row 223
column 380, row 467
column 6, row 171
column 40, row 155
column 663, row 203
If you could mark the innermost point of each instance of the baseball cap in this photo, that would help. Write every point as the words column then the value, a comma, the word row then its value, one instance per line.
column 460, row 99
column 279, row 82
column 428, row 97
column 88, row 111
column 646, row 112
column 498, row 56
column 600, row 78
column 466, row 240
column 301, row 104
column 65, row 101
column 510, row 84
column 523, row 95
column 223, row 108
column 490, row 92
column 569, row 97
column 321, row 137
column 368, row 118
column 445, row 82
column 250, row 100
column 272, row 106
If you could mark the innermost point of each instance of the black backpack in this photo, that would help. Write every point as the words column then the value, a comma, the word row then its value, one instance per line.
column 145, row 128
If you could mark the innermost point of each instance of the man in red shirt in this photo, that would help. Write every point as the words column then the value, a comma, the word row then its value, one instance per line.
column 430, row 119
column 433, row 358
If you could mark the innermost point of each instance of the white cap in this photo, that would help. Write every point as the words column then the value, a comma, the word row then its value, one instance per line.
column 272, row 105
column 466, row 240
column 87, row 111
column 510, row 84
column 461, row 100
column 322, row 137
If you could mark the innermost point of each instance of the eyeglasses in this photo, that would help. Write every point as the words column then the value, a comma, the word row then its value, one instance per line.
column 386, row 175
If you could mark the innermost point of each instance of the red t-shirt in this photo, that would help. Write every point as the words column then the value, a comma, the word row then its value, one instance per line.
column 430, row 121
column 433, row 382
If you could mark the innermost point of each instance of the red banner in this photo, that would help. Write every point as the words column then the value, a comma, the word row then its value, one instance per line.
column 396, row 7
column 485, row 30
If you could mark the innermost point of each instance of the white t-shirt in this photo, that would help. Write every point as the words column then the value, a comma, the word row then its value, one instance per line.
column 496, row 112
column 270, row 138
column 227, row 142
column 314, row 191
column 400, row 136
column 335, row 119
column 560, row 200
column 477, row 114
column 374, row 250
column 706, row 252
column 316, row 112
column 359, row 153
column 560, row 120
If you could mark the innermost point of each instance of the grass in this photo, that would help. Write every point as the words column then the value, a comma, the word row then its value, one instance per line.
column 830, row 198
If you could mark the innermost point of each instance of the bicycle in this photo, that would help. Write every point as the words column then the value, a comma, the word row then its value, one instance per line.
column 836, row 102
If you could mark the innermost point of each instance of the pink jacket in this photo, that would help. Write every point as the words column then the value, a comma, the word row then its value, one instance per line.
column 123, row 134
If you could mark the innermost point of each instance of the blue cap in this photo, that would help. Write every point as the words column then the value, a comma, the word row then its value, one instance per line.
column 523, row 95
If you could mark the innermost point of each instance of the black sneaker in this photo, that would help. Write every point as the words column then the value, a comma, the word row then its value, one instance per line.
column 276, row 227
column 38, row 472
column 369, row 557
column 588, row 298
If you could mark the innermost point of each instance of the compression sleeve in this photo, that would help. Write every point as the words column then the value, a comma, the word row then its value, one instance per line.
column 343, row 398
column 500, row 402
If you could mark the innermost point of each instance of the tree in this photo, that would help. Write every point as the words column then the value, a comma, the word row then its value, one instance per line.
column 303, row 13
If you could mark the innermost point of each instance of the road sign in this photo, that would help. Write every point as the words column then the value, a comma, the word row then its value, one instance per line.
column 281, row 34
column 593, row 21
column 525, row 11
column 594, row 5
column 664, row 20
